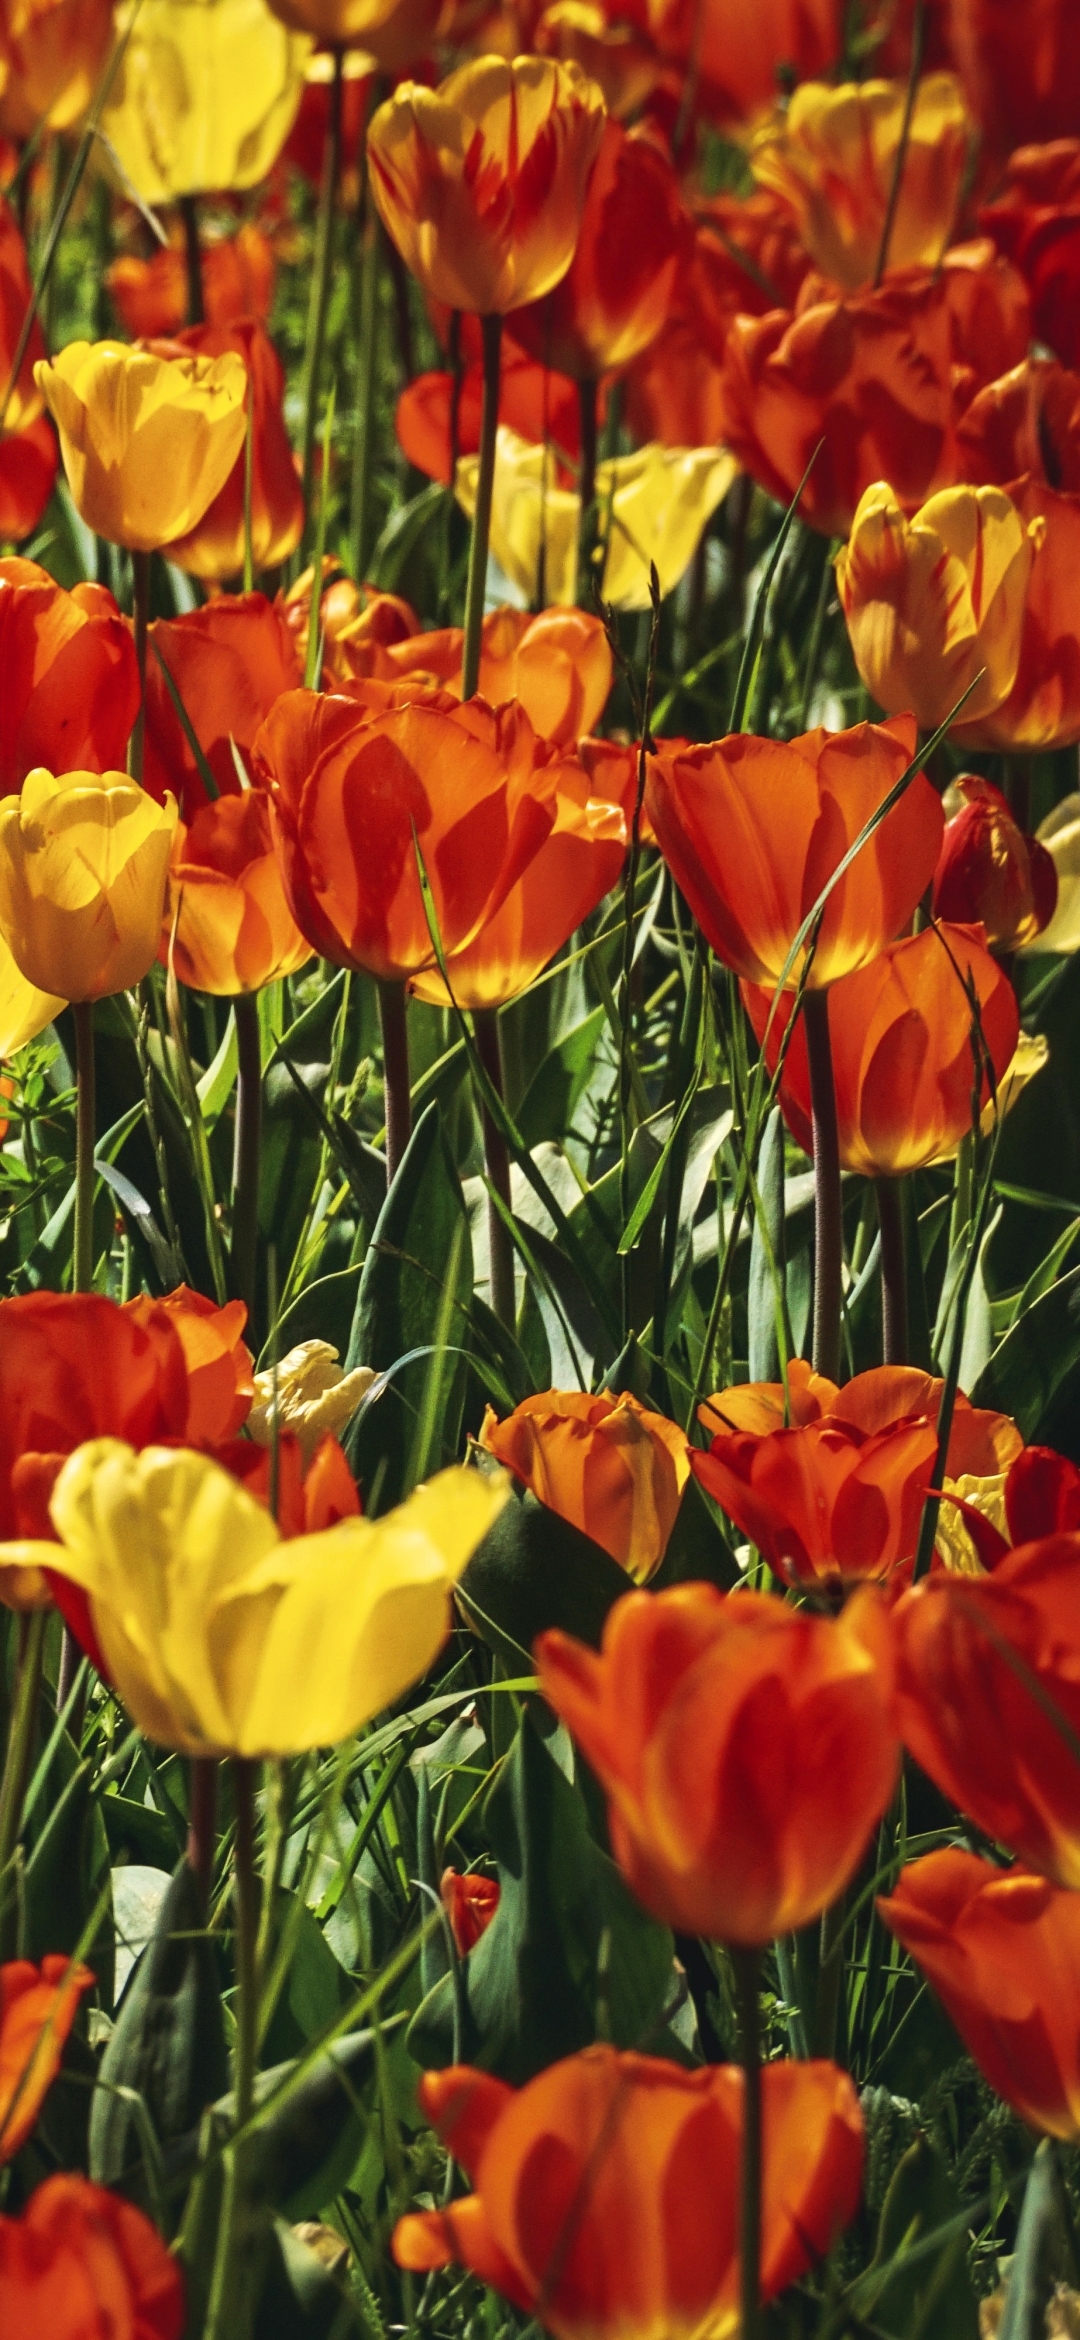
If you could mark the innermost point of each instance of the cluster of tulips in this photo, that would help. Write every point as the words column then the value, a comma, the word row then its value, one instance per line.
column 784, row 286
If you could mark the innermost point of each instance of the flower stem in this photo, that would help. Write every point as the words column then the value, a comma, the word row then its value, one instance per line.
column 246, row 1891
column 196, row 306
column 497, row 1161
column 202, row 1819
column 746, row 1965
column 229, row 2312
column 371, row 250
column 140, row 580
column 396, row 1085
column 894, row 1309
column 245, row 1192
column 320, row 283
column 17, row 1768
column 828, row 1229
column 587, row 520
column 491, row 329
column 82, row 1269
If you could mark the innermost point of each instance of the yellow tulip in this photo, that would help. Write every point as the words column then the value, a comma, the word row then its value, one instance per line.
column 659, row 498
column 931, row 601
column 205, row 97
column 831, row 158
column 148, row 442
column 1060, row 833
column 394, row 33
column 24, row 1010
column 83, row 865
column 223, row 1638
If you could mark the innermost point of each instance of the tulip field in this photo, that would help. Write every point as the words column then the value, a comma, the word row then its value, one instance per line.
column 539, row 1170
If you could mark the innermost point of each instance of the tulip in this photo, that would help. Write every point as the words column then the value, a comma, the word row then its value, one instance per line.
column 903, row 1050
column 872, row 1402
column 227, row 926
column 1059, row 835
column 935, row 605
column 219, row 1365
column 989, row 872
column 989, row 1513
column 23, row 397
column 606, row 1464
column 332, row 76
column 742, row 825
column 52, row 56
column 480, row 183
column 216, row 547
column 199, row 1605
column 832, row 158
column 71, row 685
column 395, row 33
column 205, row 97
column 557, row 664
column 615, row 295
column 343, row 773
column 1023, row 432
column 355, row 623
column 308, row 1394
column 1021, row 74
column 151, row 296
column 534, row 403
column 632, row 2146
column 660, row 500
column 746, row 259
column 147, row 442
column 470, row 1903
column 24, row 1010
column 733, row 48
column 37, row 2009
column 624, row 66
column 1002, row 1950
column 228, row 662
column 1035, row 220
column 989, row 1702
column 83, row 865
column 990, row 312
column 746, row 1750
column 79, row 2260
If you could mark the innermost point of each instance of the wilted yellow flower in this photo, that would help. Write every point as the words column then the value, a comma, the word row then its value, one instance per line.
column 955, row 1544
column 222, row 1637
column 148, row 442
column 393, row 32
column 313, row 1394
column 1060, row 833
column 480, row 182
column 205, row 97
column 832, row 158
column 659, row 500
column 931, row 601
column 24, row 1010
column 52, row 56
column 83, row 864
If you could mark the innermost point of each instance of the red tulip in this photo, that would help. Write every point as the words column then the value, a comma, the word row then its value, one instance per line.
column 71, row 685
column 229, row 662
column 79, row 2261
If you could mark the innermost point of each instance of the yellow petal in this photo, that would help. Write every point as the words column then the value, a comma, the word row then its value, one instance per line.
column 311, row 1393
column 83, row 866
column 22, row 1582
column 24, row 1010
column 1060, row 833
column 205, row 97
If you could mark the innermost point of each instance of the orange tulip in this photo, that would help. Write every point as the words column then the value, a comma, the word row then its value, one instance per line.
column 615, row 296
column 352, row 779
column 558, row 665
column 839, row 1492
column 79, row 2261
column 214, row 548
column 989, row 871
column 37, row 2009
column 533, row 401
column 229, row 662
column 746, row 1750
column 151, row 296
column 470, row 1903
column 1021, row 70
column 28, row 451
column 831, row 158
column 752, row 829
column 585, row 2177
column 903, row 1062
column 480, row 183
column 71, row 685
column 1035, row 221
column 624, row 66
column 1002, row 1950
column 393, row 32
column 1023, row 433
column 227, row 926
column 29, row 461
column 607, row 1465
column 52, row 56
column 735, row 46
column 219, row 1365
column 989, row 1700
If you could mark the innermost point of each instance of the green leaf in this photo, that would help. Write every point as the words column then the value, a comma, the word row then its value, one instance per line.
column 1042, row 2251
column 547, row 1108
column 933, row 2299
column 168, row 2047
column 765, row 1293
column 323, row 1311
column 1024, row 1374
column 316, row 1989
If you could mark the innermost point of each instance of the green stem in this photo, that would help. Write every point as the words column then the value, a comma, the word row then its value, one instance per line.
column 202, row 1819
column 397, row 1095
column 196, row 306
column 82, row 1273
column 830, row 1975
column 320, row 283
column 491, row 329
column 245, row 1190
column 894, row 1307
column 497, row 1162
column 140, row 578
column 917, row 41
column 746, row 1964
column 229, row 2314
column 587, row 522
column 17, row 1768
column 828, row 1227
column 371, row 247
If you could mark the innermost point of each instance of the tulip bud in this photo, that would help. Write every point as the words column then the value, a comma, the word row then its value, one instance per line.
column 604, row 1463
column 987, row 870
column 470, row 1903
column 832, row 158
column 83, row 864
column 147, row 442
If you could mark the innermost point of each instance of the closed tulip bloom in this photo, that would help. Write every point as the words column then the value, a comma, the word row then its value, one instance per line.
column 936, row 604
column 470, row 1903
column 147, row 442
column 635, row 238
column 607, row 1464
column 1002, row 1950
column 151, row 296
column 307, row 1394
column 83, row 865
column 205, row 97
column 988, row 871
column 1021, row 73
column 38, row 2006
column 73, row 1363
column 480, row 183
column 71, row 684
column 903, row 1063
column 24, row 1010
column 746, row 1750
column 635, row 2227
column 396, row 33
column 989, row 1702
column 52, row 56
column 752, row 830
column 832, row 158
column 227, row 926
column 79, row 2260
column 215, row 548
column 199, row 1605
column 1023, row 432
column 229, row 662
